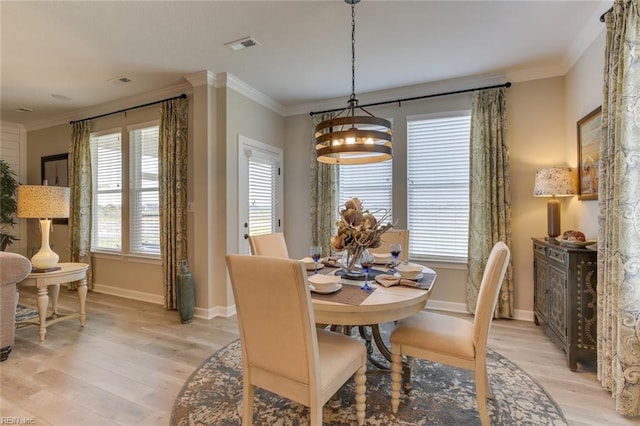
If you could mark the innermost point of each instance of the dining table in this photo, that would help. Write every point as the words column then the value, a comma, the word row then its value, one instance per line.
column 367, row 310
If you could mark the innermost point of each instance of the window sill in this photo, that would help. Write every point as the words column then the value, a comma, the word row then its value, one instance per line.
column 441, row 264
column 132, row 258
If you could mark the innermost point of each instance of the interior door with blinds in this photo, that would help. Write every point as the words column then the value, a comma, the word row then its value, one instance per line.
column 260, row 190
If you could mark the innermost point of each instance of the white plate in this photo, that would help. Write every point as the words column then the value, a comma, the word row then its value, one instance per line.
column 418, row 278
column 382, row 258
column 328, row 290
column 575, row 243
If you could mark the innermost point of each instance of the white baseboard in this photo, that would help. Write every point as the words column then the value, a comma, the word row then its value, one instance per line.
column 461, row 308
column 216, row 311
column 129, row 294
column 229, row 311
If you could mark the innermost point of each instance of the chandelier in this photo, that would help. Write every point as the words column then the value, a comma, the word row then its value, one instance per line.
column 348, row 138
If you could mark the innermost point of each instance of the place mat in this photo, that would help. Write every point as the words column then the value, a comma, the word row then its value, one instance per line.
column 348, row 294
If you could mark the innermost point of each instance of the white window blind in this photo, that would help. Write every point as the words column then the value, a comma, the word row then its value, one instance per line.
column 144, row 217
column 371, row 183
column 438, row 186
column 263, row 190
column 106, row 158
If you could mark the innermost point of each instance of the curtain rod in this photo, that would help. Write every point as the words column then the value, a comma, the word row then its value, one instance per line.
column 604, row 14
column 507, row 84
column 182, row 96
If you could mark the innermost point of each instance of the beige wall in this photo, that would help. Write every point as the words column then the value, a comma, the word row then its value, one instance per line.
column 539, row 114
column 541, row 132
column 584, row 85
column 41, row 143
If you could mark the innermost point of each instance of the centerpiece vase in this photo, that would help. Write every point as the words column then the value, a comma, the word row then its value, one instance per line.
column 350, row 259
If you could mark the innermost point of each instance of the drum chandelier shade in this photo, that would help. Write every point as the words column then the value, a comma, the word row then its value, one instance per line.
column 348, row 138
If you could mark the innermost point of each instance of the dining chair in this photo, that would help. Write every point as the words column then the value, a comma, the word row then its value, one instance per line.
column 272, row 244
column 394, row 236
column 282, row 350
column 451, row 340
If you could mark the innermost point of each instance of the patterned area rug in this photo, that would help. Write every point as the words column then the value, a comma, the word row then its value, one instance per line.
column 440, row 396
column 23, row 313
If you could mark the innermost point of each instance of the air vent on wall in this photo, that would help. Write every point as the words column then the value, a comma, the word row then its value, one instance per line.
column 242, row 43
column 120, row 80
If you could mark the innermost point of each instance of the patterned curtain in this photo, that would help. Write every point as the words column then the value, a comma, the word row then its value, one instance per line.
column 324, row 196
column 490, row 203
column 618, row 214
column 80, row 219
column 172, row 153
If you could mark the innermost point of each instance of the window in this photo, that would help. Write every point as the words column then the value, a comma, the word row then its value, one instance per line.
column 438, row 186
column 263, row 191
column 136, row 229
column 371, row 183
column 144, row 220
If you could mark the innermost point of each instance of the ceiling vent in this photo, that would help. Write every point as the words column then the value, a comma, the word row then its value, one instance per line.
column 242, row 43
column 120, row 80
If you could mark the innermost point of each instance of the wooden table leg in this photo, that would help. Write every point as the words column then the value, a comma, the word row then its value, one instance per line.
column 43, row 304
column 55, row 292
column 82, row 297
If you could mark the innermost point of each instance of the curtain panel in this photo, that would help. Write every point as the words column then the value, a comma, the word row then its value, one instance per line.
column 489, row 189
column 80, row 217
column 618, row 213
column 172, row 152
column 324, row 196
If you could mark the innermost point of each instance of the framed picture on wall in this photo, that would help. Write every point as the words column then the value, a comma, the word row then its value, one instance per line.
column 589, row 138
column 54, row 170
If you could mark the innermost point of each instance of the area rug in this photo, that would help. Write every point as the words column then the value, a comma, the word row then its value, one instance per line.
column 23, row 313
column 440, row 396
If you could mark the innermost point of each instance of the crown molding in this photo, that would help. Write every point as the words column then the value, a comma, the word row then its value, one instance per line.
column 233, row 82
column 11, row 125
column 201, row 78
column 108, row 107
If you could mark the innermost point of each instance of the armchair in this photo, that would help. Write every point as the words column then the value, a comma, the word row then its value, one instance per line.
column 13, row 269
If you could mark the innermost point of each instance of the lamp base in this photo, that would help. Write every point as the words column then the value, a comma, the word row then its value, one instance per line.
column 553, row 218
column 45, row 258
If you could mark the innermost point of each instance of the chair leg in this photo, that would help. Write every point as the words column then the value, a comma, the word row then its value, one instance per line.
column 482, row 384
column 396, row 376
column 247, row 403
column 360, row 379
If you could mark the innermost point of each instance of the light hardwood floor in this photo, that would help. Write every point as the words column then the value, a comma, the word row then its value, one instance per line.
column 131, row 359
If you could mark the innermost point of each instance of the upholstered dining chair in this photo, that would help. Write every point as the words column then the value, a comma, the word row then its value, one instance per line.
column 451, row 340
column 394, row 236
column 269, row 245
column 282, row 350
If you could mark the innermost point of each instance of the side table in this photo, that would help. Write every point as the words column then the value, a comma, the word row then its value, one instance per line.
column 68, row 272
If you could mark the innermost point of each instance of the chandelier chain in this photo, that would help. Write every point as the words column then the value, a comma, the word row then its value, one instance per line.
column 353, row 51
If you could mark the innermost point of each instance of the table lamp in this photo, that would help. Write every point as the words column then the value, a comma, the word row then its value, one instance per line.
column 44, row 203
column 554, row 182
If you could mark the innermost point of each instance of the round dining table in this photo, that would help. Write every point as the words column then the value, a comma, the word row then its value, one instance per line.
column 384, row 304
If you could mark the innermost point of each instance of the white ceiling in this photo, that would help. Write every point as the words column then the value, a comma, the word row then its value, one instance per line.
column 75, row 49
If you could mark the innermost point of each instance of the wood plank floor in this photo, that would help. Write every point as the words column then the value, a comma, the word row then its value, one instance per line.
column 131, row 359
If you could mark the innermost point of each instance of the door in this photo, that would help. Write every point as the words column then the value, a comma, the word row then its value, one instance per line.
column 260, row 190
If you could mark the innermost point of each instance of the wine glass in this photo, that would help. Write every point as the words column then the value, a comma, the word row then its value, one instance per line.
column 366, row 262
column 316, row 254
column 395, row 250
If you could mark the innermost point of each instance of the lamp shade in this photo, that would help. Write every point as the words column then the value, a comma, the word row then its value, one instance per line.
column 37, row 201
column 555, row 181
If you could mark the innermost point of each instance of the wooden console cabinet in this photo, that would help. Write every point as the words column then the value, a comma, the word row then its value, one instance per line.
column 564, row 283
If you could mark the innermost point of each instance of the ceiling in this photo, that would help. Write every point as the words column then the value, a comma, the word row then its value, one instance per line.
column 75, row 50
